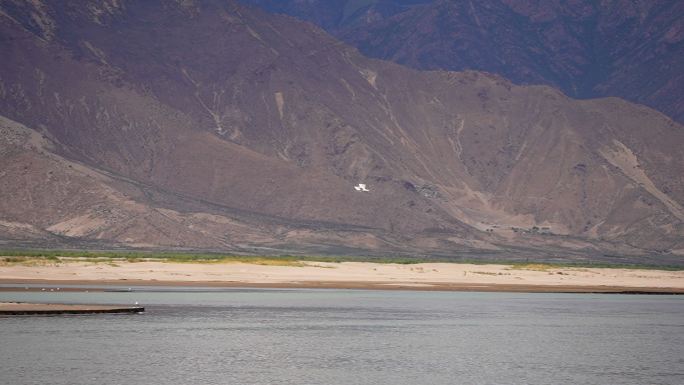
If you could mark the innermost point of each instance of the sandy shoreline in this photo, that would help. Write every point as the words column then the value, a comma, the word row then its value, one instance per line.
column 352, row 275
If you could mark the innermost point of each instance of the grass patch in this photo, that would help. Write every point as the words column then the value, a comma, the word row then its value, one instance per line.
column 583, row 266
column 264, row 261
column 112, row 257
column 141, row 256
column 28, row 261
column 533, row 267
column 39, row 258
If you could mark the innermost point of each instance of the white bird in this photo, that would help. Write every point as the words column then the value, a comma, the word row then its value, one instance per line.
column 361, row 187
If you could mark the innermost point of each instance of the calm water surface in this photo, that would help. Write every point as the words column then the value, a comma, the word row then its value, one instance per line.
column 335, row 337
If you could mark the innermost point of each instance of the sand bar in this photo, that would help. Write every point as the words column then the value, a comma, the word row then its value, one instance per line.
column 355, row 275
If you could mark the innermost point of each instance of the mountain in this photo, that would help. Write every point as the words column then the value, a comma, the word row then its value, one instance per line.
column 212, row 125
column 339, row 14
column 588, row 49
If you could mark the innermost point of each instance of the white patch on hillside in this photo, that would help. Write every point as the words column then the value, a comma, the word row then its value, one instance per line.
column 370, row 76
column 280, row 102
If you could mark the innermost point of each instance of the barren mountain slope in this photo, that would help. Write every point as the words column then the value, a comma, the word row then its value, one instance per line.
column 260, row 119
column 633, row 49
column 52, row 201
column 46, row 196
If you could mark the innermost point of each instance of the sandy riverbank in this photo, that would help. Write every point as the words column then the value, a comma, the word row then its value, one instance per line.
column 427, row 276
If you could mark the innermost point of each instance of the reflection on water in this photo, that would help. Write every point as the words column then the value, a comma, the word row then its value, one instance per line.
column 263, row 336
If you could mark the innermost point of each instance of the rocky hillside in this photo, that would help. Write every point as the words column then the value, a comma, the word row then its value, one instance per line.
column 630, row 49
column 216, row 126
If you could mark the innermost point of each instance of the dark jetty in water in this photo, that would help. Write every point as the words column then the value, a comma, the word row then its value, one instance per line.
column 21, row 308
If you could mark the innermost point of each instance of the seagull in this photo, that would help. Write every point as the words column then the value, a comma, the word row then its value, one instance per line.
column 361, row 187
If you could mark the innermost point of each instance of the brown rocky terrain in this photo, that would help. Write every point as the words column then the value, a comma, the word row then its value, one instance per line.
column 633, row 49
column 216, row 126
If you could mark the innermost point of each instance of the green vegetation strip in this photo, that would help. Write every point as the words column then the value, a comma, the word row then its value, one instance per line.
column 43, row 257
